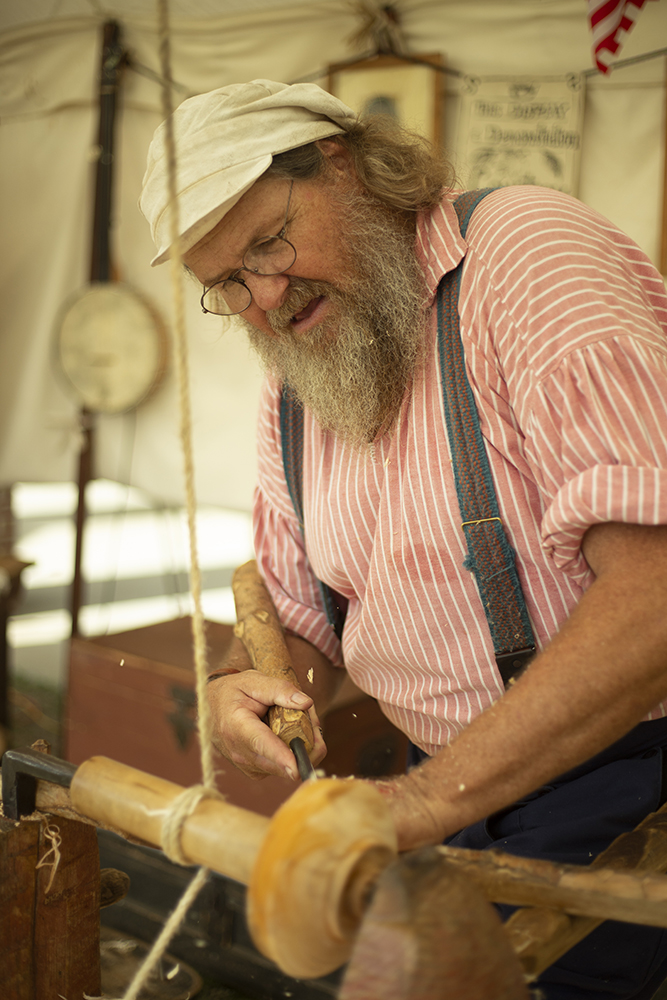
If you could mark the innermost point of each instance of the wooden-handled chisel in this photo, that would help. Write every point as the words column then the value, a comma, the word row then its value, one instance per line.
column 260, row 631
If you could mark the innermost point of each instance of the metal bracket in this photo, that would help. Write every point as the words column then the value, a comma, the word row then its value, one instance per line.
column 21, row 770
column 512, row 665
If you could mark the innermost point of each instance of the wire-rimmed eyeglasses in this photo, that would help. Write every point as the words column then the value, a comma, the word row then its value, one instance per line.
column 268, row 255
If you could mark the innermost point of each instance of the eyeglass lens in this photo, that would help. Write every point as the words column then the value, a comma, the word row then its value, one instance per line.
column 227, row 298
column 270, row 256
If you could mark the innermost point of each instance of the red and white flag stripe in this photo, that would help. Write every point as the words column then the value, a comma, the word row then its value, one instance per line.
column 609, row 19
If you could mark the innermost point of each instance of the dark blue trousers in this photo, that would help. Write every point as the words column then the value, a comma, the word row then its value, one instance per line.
column 570, row 821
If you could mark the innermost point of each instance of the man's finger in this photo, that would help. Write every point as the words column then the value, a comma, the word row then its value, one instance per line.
column 273, row 759
column 319, row 750
column 272, row 690
column 254, row 749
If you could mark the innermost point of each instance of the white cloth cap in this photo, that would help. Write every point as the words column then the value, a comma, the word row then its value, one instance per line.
column 225, row 140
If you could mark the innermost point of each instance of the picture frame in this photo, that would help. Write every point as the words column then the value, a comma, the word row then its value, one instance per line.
column 522, row 130
column 409, row 88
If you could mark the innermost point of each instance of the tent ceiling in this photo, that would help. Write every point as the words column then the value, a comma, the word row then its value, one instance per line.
column 49, row 58
column 14, row 13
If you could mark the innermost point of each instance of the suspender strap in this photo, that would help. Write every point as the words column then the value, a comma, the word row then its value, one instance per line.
column 291, row 434
column 291, row 431
column 490, row 556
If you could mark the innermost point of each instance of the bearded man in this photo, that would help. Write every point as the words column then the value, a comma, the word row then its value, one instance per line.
column 329, row 237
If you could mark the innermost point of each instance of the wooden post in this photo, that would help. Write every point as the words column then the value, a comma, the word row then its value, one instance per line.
column 49, row 936
column 87, row 428
column 18, row 856
column 10, row 569
column 67, row 916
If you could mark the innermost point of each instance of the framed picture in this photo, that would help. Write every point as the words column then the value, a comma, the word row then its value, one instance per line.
column 408, row 89
column 522, row 130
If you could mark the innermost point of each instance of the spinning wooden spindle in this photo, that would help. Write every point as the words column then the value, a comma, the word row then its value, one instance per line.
column 309, row 869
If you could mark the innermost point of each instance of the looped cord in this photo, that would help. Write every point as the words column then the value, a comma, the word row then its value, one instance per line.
column 52, row 834
column 165, row 935
column 185, row 803
column 172, row 825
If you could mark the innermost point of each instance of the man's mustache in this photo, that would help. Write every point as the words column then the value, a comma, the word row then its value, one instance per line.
column 301, row 292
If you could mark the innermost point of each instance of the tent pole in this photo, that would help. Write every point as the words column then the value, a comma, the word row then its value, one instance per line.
column 113, row 58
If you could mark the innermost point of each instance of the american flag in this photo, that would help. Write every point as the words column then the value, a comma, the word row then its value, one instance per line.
column 609, row 19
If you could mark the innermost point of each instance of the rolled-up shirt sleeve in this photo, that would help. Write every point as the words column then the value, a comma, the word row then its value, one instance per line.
column 597, row 439
column 279, row 545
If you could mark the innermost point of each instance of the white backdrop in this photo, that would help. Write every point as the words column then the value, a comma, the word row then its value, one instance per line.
column 48, row 114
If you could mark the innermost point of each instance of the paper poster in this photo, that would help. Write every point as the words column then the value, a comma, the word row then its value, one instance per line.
column 521, row 130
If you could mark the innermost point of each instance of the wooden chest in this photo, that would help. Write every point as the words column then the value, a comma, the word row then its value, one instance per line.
column 131, row 697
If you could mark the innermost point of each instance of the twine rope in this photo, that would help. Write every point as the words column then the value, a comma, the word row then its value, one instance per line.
column 185, row 803
column 164, row 937
column 172, row 825
column 185, row 409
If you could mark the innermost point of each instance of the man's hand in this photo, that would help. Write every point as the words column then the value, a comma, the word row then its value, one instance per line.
column 239, row 703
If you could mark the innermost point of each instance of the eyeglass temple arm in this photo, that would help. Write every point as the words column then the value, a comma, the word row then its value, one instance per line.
column 282, row 232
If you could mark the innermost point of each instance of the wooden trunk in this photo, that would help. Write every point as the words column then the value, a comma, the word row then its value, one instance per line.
column 131, row 698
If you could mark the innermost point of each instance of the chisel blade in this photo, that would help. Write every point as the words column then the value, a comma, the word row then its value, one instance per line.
column 303, row 763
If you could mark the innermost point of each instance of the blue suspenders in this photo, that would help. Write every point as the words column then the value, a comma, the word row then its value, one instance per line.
column 291, row 432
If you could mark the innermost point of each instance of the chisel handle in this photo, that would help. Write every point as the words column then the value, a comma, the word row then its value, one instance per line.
column 260, row 631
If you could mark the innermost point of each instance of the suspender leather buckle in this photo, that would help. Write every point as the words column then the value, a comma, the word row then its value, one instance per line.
column 480, row 520
column 512, row 665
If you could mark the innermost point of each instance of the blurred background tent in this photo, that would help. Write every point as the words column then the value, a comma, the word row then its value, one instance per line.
column 49, row 56
column 131, row 697
column 49, row 69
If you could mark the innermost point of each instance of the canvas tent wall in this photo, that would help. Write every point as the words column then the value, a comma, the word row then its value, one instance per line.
column 49, row 56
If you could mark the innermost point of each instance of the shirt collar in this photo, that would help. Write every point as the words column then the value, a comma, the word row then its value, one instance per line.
column 440, row 246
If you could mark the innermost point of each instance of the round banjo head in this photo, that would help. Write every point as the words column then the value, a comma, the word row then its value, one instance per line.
column 111, row 346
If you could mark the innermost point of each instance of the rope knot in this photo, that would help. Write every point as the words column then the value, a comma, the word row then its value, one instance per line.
column 172, row 826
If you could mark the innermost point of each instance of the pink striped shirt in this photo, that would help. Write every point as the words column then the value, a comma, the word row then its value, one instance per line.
column 563, row 321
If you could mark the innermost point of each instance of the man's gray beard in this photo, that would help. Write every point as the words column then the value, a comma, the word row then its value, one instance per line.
column 353, row 369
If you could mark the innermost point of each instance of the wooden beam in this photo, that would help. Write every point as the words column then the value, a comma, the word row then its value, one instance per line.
column 540, row 935
column 67, row 914
column 19, row 844
column 603, row 893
